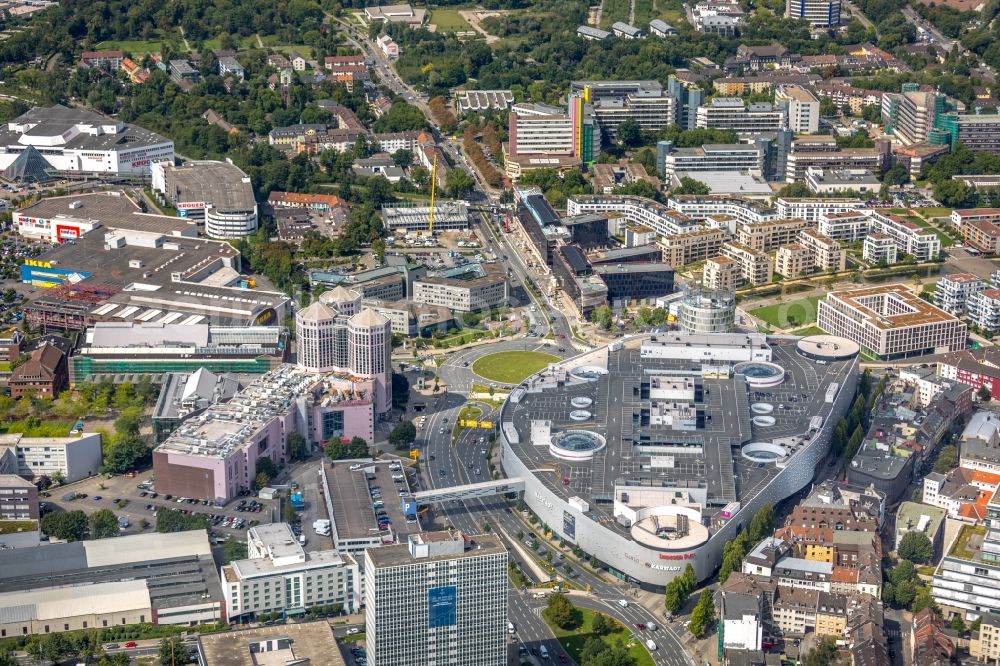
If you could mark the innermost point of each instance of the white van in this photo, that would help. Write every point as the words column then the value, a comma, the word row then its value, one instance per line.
column 544, row 651
column 650, row 645
column 302, row 539
column 623, row 603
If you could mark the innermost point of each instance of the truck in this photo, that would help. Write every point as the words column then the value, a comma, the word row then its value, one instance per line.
column 296, row 499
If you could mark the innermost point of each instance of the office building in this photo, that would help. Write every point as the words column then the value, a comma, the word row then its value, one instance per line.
column 720, row 274
column 705, row 311
column 754, row 265
column 819, row 13
column 637, row 210
column 448, row 216
column 769, row 234
column 468, row 288
column 214, row 455
column 62, row 141
column 799, row 160
column 801, row 105
column 920, row 243
column 615, row 101
column 542, row 136
column 643, row 282
column 831, row 181
column 735, row 114
column 713, row 157
column 280, row 576
column 441, row 597
column 919, row 517
column 793, row 260
column 18, row 498
column 335, row 335
column 687, row 98
column 217, row 196
column 954, row 291
column 125, row 350
column 74, row 458
column 979, row 132
column 827, row 254
column 890, row 321
column 150, row 578
column 914, row 117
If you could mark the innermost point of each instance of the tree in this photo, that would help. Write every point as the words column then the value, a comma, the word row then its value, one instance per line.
column 602, row 316
column 703, row 615
column 629, row 134
column 592, row 647
column 103, row 524
column 762, row 524
column 561, row 612
column 602, row 624
column 824, row 654
column 170, row 520
column 679, row 589
column 947, row 459
column 403, row 157
column 916, row 547
column 339, row 450
column 66, row 525
column 615, row 655
column 689, row 185
column 958, row 624
column 905, row 593
column 732, row 556
column 984, row 394
column 793, row 190
column 459, row 183
column 126, row 453
column 403, row 435
column 172, row 651
column 296, row 446
column 261, row 480
column 266, row 467
column 233, row 549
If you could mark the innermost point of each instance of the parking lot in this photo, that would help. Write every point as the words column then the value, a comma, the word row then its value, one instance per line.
column 135, row 499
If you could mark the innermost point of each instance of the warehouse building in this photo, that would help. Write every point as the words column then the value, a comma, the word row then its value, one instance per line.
column 159, row 579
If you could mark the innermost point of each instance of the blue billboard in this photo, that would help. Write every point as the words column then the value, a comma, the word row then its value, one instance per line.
column 442, row 606
column 409, row 509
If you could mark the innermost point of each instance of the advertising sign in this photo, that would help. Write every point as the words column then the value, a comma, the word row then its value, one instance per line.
column 442, row 606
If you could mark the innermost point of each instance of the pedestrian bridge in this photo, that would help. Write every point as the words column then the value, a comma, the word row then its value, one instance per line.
column 469, row 491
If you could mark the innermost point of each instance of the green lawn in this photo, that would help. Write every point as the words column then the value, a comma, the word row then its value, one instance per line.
column 614, row 10
column 787, row 315
column 572, row 640
column 14, row 526
column 137, row 47
column 511, row 367
column 449, row 20
column 43, row 429
column 934, row 212
column 809, row 330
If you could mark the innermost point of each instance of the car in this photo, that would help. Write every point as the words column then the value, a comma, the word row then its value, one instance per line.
column 149, row 507
column 640, row 626
column 562, row 658
column 191, row 639
column 443, row 472
column 97, row 498
column 168, row 497
column 112, row 646
column 353, row 630
column 131, row 644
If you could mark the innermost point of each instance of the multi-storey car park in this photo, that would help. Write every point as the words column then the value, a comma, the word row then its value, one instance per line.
column 654, row 452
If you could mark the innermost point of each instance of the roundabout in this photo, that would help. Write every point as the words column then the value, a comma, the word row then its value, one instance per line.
column 511, row 367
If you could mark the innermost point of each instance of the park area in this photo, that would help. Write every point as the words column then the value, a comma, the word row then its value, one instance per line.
column 584, row 625
column 792, row 314
column 511, row 367
column 449, row 20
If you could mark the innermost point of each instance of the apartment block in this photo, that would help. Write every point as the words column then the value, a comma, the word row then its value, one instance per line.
column 879, row 249
column 768, row 235
column 967, row 580
column 844, row 227
column 983, row 308
column 754, row 265
column 982, row 235
column 690, row 246
column 811, row 209
column 953, row 291
column 890, row 321
column 802, row 107
column 721, row 274
column 827, row 254
column 923, row 244
column 793, row 260
column 18, row 498
column 986, row 646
